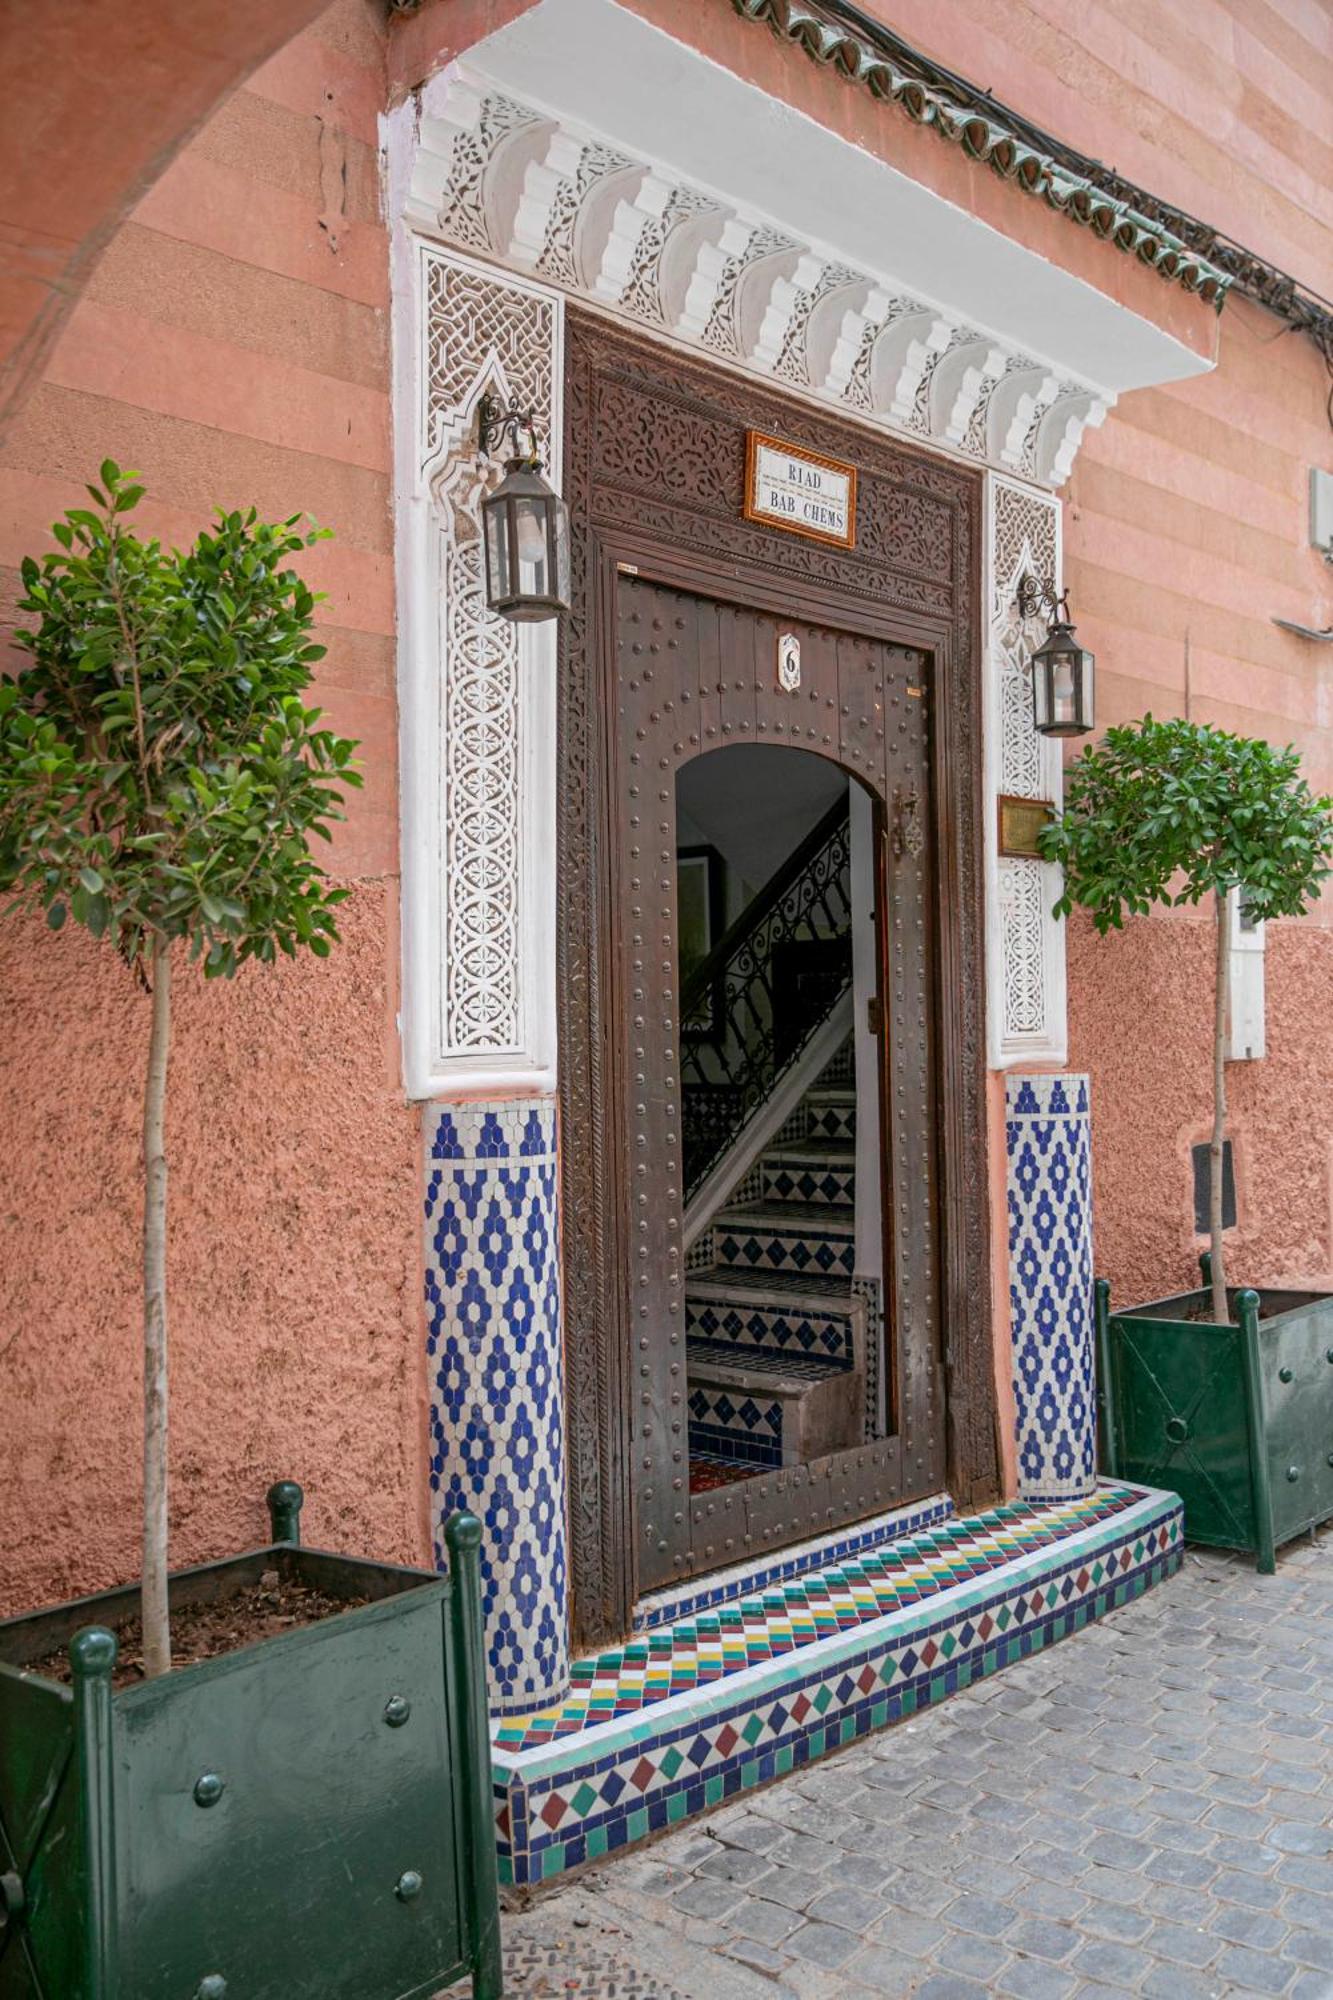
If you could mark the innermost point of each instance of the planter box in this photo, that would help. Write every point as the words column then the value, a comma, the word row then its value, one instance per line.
column 1238, row 1420
column 310, row 1815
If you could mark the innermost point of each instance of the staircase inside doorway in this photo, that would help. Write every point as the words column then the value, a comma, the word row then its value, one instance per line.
column 776, row 1332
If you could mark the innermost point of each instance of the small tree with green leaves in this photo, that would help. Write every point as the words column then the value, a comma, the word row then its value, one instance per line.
column 160, row 780
column 1171, row 812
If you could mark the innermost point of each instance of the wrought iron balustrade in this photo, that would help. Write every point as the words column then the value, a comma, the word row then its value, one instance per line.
column 749, row 1010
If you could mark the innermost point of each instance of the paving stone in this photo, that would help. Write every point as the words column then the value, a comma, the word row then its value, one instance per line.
column 982, row 1914
column 1033, row 1979
column 912, row 1937
column 794, row 1887
column 1191, row 1871
column 822, row 1944
column 945, row 1986
column 974, row 1957
column 735, row 1864
column 1183, row 1944
column 1314, row 1948
column 854, row 1909
column 1114, row 1921
column 707, row 1899
column 920, row 1893
column 1113, row 1885
column 759, row 1957
column 1256, row 1894
column 1114, row 1964
column 1255, row 1971
column 1040, row 1938
column 886, row 1971
column 1312, row 1986
column 1050, row 1899
column 767, row 1923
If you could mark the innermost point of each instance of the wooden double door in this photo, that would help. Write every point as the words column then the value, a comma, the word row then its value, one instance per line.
column 670, row 654
column 696, row 675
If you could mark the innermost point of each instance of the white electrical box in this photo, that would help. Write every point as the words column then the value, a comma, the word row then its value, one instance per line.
column 1245, row 986
column 1321, row 510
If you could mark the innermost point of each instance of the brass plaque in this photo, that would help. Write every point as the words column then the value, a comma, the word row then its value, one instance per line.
column 1021, row 822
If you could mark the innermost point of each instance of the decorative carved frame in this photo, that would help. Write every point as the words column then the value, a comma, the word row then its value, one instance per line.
column 1025, row 942
column 681, row 488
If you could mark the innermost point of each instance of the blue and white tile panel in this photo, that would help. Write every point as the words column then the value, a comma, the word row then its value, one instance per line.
column 495, row 1376
column 1048, row 1142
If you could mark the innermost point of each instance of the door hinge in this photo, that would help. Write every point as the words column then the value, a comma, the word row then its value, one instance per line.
column 874, row 1015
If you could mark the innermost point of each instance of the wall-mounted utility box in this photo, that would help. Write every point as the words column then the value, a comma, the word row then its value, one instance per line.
column 1321, row 510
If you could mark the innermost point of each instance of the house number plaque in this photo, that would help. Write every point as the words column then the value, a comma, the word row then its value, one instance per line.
column 789, row 487
column 1021, row 822
column 789, row 662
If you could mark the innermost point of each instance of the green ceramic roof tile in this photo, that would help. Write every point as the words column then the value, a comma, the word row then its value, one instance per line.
column 991, row 141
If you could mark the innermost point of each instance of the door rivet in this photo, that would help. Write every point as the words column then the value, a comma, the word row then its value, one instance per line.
column 208, row 1789
column 1284, row 1375
column 1293, row 1474
column 11, row 1896
column 211, row 1987
column 409, row 1886
column 1177, row 1429
column 396, row 1710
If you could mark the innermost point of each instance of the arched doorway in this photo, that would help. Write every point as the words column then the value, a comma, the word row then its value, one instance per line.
column 767, row 731
column 695, row 630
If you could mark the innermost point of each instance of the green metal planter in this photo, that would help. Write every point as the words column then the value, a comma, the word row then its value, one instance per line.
column 307, row 1816
column 1236, row 1419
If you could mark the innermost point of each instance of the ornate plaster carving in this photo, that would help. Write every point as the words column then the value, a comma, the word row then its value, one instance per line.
column 509, row 181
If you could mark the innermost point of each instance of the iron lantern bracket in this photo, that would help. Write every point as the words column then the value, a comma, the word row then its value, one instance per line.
column 497, row 420
column 1035, row 597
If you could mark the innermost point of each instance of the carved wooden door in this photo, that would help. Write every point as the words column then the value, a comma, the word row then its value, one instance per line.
column 694, row 674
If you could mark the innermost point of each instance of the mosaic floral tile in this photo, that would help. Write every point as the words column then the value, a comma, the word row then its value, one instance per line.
column 1048, row 1143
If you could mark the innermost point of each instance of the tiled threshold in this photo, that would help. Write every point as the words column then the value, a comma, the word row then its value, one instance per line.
column 691, row 1712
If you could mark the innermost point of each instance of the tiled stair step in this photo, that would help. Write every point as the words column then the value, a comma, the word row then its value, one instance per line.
column 745, row 1310
column 823, row 1173
column 830, row 1113
column 695, row 1712
column 786, row 1236
column 766, row 1409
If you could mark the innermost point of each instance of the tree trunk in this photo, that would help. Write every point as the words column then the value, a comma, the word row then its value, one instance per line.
column 156, row 1627
column 1217, row 1151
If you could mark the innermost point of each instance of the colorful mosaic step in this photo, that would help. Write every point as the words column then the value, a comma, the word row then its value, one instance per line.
column 831, row 1114
column 687, row 1714
column 789, row 1236
column 814, row 1174
column 770, row 1409
column 740, row 1312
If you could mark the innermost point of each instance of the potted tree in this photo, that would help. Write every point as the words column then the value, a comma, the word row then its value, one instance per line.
column 309, row 1813
column 1223, row 1394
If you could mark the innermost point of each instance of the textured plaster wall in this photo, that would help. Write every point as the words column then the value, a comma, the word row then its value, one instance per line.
column 292, row 1254
column 232, row 344
column 1152, row 1095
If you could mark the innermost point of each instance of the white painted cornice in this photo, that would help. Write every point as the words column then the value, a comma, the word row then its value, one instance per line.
column 588, row 149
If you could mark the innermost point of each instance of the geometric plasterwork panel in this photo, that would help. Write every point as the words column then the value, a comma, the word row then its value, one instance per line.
column 1026, row 944
column 481, row 336
column 478, row 759
column 538, row 193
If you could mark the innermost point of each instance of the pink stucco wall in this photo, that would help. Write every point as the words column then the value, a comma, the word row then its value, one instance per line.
column 293, row 1258
column 232, row 343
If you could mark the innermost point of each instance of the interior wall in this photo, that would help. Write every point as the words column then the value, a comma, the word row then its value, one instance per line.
column 755, row 803
column 232, row 345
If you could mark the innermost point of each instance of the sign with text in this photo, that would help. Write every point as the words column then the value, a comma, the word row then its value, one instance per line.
column 796, row 489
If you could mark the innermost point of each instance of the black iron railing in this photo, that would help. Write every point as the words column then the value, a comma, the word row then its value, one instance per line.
column 750, row 1009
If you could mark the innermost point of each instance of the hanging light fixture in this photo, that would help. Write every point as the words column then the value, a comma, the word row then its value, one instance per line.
column 525, row 523
column 1061, row 669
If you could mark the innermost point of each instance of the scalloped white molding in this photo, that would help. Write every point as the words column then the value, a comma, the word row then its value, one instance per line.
column 508, row 179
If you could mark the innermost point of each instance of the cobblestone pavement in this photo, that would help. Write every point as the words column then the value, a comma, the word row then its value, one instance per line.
column 1147, row 1809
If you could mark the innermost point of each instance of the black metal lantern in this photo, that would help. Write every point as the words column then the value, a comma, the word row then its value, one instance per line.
column 1062, row 670
column 525, row 525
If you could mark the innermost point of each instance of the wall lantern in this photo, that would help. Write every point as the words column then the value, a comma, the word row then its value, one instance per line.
column 525, row 524
column 1061, row 668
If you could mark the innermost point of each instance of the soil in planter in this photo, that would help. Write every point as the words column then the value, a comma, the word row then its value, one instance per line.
column 274, row 1605
column 1203, row 1315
